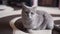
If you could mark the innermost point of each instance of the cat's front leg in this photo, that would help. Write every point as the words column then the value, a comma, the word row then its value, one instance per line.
column 30, row 31
column 33, row 31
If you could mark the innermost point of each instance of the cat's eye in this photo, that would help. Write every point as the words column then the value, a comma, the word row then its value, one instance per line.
column 32, row 13
column 26, row 12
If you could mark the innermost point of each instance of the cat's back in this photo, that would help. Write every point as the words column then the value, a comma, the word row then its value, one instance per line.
column 40, row 12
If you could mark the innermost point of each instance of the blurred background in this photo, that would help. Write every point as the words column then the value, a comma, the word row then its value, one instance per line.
column 48, row 3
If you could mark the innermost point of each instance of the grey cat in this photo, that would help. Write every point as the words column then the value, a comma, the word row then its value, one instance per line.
column 34, row 19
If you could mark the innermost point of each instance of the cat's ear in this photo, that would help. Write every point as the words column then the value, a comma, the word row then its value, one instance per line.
column 34, row 7
column 25, row 6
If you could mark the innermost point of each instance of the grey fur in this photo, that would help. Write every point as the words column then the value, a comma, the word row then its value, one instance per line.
column 35, row 19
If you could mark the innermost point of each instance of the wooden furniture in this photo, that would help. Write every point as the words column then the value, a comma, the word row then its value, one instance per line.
column 59, row 4
column 51, row 3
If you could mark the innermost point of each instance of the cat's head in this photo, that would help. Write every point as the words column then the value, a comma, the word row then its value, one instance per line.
column 28, row 14
column 28, row 11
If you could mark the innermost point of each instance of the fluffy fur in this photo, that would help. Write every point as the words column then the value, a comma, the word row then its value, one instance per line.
column 36, row 20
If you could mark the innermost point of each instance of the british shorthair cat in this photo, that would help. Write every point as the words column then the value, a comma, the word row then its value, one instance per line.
column 34, row 19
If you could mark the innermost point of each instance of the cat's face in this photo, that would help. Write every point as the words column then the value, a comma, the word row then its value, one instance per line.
column 28, row 11
column 28, row 15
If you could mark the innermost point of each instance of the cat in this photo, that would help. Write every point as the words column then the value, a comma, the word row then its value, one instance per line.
column 34, row 19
